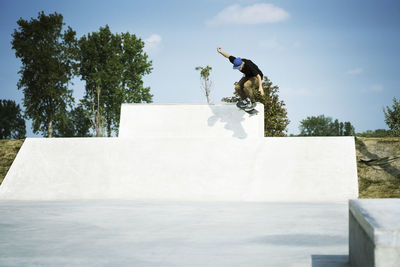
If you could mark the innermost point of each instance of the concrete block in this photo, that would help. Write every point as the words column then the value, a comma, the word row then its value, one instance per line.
column 182, row 121
column 184, row 169
column 374, row 232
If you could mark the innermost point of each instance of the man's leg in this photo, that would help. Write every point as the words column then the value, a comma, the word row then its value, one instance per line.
column 250, row 86
column 239, row 88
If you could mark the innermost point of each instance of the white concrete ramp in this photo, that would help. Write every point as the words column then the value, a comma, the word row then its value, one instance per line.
column 184, row 168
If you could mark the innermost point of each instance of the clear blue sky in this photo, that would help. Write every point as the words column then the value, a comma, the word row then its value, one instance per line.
column 339, row 58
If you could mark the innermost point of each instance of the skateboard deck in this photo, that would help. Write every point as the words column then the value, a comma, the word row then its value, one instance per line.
column 252, row 112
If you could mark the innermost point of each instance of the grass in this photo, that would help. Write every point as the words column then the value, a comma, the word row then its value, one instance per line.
column 8, row 152
column 379, row 189
column 378, row 165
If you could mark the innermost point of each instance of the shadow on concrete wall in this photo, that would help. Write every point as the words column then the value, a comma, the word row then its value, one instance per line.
column 232, row 120
column 373, row 160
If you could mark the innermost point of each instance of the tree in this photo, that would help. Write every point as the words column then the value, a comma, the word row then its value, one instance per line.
column 336, row 127
column 348, row 129
column 47, row 55
column 205, row 82
column 76, row 123
column 325, row 126
column 12, row 124
column 316, row 126
column 275, row 114
column 341, row 129
column 392, row 117
column 112, row 66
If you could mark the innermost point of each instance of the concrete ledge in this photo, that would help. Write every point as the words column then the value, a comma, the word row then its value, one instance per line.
column 374, row 236
column 183, row 120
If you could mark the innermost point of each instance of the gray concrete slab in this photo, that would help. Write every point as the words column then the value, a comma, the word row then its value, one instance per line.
column 138, row 233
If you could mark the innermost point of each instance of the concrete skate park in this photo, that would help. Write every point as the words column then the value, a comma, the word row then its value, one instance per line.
column 192, row 185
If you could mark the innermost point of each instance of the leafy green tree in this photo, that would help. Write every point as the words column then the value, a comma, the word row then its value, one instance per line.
column 316, row 126
column 392, row 117
column 348, row 129
column 205, row 81
column 275, row 114
column 341, row 129
column 76, row 123
column 47, row 55
column 335, row 128
column 112, row 65
column 325, row 126
column 12, row 124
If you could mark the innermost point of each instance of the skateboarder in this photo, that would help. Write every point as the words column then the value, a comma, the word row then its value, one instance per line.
column 252, row 80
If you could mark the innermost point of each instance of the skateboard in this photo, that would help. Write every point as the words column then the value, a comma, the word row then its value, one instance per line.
column 251, row 112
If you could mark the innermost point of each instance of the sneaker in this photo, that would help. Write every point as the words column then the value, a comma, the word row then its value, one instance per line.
column 250, row 106
column 242, row 103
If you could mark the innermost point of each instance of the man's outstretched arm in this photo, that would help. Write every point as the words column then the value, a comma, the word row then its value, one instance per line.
column 223, row 53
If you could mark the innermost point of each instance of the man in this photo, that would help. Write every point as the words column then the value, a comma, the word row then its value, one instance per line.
column 251, row 81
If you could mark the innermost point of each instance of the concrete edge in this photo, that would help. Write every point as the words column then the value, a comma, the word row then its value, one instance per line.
column 385, row 237
column 354, row 156
column 361, row 216
column 181, row 104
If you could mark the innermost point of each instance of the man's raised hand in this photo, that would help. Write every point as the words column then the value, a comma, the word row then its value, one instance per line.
column 222, row 52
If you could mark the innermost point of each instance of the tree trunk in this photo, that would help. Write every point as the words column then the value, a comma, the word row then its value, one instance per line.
column 207, row 88
column 99, row 125
column 50, row 130
column 108, row 128
column 208, row 95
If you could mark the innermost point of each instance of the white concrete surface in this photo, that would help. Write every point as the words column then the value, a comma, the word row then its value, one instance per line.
column 130, row 233
column 185, row 169
column 376, row 237
column 180, row 120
